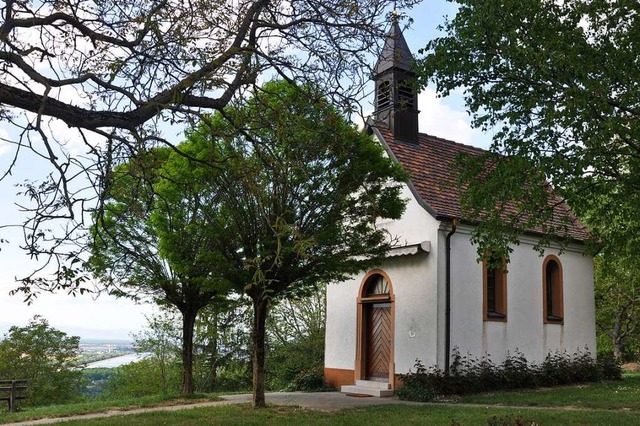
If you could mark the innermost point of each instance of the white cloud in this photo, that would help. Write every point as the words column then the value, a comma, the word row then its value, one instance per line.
column 105, row 316
column 439, row 119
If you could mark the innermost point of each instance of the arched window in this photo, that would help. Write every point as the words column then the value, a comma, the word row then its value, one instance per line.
column 494, row 289
column 553, row 303
column 376, row 285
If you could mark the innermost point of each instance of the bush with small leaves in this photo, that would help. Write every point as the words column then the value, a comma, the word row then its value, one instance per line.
column 608, row 367
column 311, row 380
column 416, row 386
column 470, row 375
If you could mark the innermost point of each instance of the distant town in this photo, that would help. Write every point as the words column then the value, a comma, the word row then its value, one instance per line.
column 98, row 353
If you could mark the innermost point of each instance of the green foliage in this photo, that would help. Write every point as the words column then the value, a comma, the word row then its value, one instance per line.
column 234, row 377
column 297, row 364
column 160, row 339
column 609, row 367
column 222, row 356
column 296, row 349
column 310, row 380
column 555, row 82
column 416, row 386
column 290, row 192
column 150, row 240
column 43, row 356
column 96, row 379
column 142, row 378
column 617, row 295
column 470, row 375
column 293, row 187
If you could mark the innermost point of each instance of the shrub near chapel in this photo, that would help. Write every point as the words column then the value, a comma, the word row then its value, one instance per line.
column 470, row 375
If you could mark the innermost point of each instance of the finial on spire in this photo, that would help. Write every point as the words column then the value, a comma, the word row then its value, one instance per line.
column 395, row 16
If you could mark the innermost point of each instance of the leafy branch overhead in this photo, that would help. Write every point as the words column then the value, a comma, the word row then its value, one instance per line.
column 557, row 84
column 89, row 85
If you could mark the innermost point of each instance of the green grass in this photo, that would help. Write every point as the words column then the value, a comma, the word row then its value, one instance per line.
column 378, row 415
column 623, row 394
column 98, row 406
column 595, row 404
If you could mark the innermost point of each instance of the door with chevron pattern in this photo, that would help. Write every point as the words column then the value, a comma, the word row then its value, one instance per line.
column 378, row 344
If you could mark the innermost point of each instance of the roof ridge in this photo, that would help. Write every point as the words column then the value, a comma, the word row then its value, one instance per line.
column 381, row 124
column 429, row 163
column 449, row 141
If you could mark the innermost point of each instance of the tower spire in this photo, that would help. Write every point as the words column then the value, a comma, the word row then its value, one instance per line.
column 396, row 99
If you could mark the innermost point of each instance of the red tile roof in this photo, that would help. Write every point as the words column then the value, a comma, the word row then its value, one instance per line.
column 430, row 166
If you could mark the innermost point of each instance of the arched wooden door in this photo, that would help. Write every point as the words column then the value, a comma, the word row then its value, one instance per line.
column 375, row 329
column 378, row 340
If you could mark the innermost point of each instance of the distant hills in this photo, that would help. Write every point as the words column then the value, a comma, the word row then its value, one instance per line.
column 88, row 335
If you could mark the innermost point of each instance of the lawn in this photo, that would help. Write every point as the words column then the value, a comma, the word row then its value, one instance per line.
column 99, row 406
column 622, row 395
column 595, row 404
column 378, row 415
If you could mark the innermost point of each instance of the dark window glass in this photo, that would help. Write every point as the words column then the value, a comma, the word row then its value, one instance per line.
column 491, row 290
column 377, row 285
column 553, row 291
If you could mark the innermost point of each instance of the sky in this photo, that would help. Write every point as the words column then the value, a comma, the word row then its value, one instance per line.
column 108, row 317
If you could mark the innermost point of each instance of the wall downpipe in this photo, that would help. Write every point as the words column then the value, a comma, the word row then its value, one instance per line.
column 447, row 331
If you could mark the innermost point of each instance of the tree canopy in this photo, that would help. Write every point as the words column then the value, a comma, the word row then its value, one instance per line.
column 43, row 356
column 617, row 295
column 558, row 84
column 270, row 197
column 88, row 85
column 152, row 241
column 293, row 199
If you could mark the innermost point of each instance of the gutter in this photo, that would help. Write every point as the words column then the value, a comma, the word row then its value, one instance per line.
column 447, row 330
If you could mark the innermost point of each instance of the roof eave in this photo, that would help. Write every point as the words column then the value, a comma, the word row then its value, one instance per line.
column 569, row 239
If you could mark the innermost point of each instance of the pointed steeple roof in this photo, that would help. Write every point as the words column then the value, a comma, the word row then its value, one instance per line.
column 395, row 54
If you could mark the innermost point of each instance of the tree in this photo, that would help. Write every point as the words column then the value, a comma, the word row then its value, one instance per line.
column 44, row 356
column 557, row 81
column 153, row 241
column 140, row 378
column 617, row 290
column 616, row 268
column 119, row 75
column 160, row 339
column 293, row 199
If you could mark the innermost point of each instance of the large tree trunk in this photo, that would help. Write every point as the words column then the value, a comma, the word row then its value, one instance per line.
column 260, row 307
column 188, row 323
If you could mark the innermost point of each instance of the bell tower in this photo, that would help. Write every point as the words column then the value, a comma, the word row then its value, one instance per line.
column 396, row 100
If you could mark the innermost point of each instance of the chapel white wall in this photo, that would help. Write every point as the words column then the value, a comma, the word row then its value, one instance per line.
column 414, row 279
column 524, row 329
